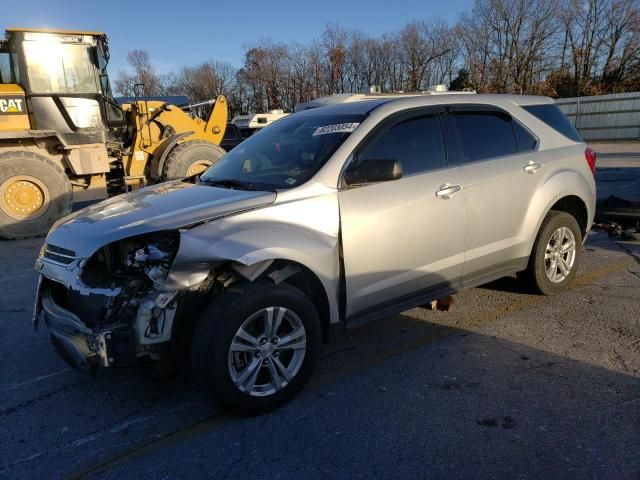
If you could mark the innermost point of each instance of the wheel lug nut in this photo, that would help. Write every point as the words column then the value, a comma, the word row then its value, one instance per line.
column 274, row 340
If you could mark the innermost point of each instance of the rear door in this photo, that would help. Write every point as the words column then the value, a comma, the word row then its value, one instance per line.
column 403, row 236
column 501, row 170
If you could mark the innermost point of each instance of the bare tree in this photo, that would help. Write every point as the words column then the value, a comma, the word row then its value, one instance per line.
column 143, row 72
column 206, row 81
column 549, row 47
column 507, row 43
column 334, row 40
column 623, row 43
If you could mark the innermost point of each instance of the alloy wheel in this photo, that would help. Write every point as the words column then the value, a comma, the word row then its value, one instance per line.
column 560, row 254
column 267, row 351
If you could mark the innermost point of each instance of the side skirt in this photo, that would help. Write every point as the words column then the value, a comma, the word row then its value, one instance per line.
column 416, row 299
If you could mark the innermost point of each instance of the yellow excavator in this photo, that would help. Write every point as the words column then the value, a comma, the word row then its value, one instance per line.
column 64, row 139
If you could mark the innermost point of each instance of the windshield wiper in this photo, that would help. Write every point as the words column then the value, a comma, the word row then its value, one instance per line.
column 229, row 183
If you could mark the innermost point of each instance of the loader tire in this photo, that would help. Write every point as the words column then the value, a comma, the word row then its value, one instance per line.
column 34, row 193
column 190, row 158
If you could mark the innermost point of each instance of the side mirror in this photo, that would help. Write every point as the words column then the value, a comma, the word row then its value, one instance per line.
column 372, row 170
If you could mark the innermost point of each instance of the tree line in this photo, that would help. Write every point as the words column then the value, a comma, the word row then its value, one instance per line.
column 559, row 48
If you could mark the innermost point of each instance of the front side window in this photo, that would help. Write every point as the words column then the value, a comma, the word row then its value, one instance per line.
column 283, row 155
column 417, row 143
column 484, row 134
column 55, row 67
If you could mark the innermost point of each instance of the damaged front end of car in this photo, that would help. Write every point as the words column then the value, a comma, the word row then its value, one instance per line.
column 124, row 282
column 115, row 307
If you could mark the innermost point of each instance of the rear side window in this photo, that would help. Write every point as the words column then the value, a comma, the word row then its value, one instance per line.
column 553, row 116
column 484, row 134
column 417, row 143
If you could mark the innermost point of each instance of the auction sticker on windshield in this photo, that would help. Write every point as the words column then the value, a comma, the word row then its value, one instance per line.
column 336, row 128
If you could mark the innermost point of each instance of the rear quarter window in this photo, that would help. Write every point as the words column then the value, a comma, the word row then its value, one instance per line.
column 553, row 116
column 526, row 141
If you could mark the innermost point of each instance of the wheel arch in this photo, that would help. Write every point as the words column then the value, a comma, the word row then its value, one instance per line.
column 572, row 204
column 44, row 147
column 282, row 270
column 285, row 270
column 567, row 191
column 577, row 208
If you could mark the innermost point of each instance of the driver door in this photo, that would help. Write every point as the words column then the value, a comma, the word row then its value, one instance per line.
column 402, row 238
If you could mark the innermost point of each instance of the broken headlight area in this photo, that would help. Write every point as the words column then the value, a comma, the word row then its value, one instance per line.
column 122, row 327
column 142, row 258
column 138, row 266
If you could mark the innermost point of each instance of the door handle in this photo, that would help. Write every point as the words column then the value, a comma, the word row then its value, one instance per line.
column 447, row 190
column 531, row 167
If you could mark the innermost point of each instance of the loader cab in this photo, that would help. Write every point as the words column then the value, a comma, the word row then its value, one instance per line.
column 64, row 77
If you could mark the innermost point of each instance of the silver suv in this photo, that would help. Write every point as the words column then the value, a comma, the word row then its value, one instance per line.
column 327, row 217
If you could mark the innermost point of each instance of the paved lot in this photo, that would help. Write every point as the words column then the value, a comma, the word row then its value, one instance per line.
column 505, row 385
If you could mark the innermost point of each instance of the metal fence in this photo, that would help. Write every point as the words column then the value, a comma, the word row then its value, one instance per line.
column 604, row 117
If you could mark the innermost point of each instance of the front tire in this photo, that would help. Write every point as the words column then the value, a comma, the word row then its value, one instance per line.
column 34, row 193
column 256, row 346
column 556, row 254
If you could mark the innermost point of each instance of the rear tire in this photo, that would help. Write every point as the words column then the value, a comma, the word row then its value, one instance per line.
column 34, row 193
column 220, row 357
column 190, row 158
column 556, row 254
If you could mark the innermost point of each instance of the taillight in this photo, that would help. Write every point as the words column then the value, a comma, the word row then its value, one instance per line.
column 590, row 156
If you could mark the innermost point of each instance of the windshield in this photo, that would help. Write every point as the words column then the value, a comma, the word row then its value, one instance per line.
column 56, row 67
column 285, row 154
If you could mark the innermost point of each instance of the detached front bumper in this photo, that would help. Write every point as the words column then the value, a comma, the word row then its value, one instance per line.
column 82, row 347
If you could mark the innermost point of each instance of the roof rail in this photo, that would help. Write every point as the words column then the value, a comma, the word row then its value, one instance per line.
column 337, row 98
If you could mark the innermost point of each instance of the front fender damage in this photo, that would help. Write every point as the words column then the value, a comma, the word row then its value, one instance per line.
column 187, row 274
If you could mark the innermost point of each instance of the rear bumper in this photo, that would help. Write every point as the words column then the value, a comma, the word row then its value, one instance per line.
column 82, row 347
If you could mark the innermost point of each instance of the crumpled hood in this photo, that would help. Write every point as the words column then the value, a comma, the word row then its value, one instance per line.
column 159, row 207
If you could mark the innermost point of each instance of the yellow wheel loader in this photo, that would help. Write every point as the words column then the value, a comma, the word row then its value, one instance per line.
column 65, row 140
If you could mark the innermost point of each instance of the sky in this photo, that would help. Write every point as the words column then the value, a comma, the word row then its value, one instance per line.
column 183, row 33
